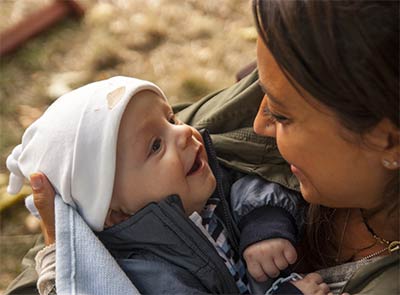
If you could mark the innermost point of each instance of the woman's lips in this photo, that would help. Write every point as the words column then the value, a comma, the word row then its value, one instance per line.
column 296, row 171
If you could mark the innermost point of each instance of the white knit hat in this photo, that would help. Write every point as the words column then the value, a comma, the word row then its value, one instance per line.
column 74, row 143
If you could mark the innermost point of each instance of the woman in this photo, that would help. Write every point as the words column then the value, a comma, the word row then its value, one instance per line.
column 329, row 71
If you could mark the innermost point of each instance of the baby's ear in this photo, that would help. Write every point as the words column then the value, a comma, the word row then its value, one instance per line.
column 114, row 217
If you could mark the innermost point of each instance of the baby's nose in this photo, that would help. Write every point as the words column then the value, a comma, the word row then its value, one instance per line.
column 184, row 135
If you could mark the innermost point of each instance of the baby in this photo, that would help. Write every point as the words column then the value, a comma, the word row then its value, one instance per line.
column 151, row 188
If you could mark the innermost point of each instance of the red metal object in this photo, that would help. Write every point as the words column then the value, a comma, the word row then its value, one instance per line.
column 37, row 22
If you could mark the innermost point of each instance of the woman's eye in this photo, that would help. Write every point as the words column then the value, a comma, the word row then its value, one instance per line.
column 275, row 117
column 156, row 145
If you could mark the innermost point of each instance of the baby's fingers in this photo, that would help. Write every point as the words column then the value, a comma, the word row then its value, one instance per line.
column 270, row 269
column 324, row 288
column 314, row 277
column 256, row 271
column 281, row 262
column 290, row 253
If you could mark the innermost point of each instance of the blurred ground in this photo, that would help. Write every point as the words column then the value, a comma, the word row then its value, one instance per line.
column 189, row 48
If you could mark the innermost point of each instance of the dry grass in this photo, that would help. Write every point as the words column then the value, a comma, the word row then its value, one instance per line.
column 189, row 48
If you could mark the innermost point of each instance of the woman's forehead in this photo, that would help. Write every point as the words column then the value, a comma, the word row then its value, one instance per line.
column 277, row 86
column 272, row 80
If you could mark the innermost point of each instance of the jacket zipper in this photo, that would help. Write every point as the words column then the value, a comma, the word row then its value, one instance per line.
column 207, row 250
column 233, row 232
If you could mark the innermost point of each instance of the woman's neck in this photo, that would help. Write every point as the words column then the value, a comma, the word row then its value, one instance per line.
column 359, row 234
column 384, row 223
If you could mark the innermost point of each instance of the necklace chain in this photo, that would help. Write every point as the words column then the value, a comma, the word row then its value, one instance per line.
column 390, row 246
column 379, row 239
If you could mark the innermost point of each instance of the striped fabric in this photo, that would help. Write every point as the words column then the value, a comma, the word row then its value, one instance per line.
column 213, row 228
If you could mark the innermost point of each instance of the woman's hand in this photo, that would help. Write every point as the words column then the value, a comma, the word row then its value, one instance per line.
column 43, row 198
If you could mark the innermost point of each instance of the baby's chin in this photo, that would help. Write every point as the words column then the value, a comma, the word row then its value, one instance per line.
column 198, row 207
column 214, row 180
column 200, row 195
column 210, row 184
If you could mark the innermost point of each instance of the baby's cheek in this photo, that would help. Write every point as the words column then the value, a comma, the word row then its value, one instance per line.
column 197, row 135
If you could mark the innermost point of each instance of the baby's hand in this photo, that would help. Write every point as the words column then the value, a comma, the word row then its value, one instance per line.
column 312, row 284
column 266, row 259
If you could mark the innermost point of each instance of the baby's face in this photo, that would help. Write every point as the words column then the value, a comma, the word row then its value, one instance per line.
column 157, row 155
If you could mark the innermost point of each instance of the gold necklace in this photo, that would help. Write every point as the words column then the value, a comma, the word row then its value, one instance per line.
column 339, row 253
column 390, row 246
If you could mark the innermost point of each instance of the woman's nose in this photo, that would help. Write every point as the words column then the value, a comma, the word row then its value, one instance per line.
column 263, row 124
column 184, row 135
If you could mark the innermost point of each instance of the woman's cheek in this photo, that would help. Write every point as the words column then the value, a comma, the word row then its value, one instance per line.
column 295, row 153
column 285, row 146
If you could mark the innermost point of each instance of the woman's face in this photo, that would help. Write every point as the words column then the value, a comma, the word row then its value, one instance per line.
column 333, row 168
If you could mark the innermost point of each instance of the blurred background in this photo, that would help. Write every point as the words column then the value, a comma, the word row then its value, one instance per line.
column 189, row 48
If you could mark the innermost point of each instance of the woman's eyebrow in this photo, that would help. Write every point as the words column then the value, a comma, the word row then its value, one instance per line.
column 270, row 96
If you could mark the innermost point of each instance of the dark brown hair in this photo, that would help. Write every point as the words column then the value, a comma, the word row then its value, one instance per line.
column 346, row 55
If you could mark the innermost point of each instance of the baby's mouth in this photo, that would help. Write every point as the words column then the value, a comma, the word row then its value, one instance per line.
column 196, row 165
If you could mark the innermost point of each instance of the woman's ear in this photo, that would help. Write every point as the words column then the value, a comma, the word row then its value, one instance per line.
column 386, row 137
column 114, row 217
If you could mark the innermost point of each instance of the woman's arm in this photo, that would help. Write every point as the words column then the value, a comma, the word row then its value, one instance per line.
column 43, row 197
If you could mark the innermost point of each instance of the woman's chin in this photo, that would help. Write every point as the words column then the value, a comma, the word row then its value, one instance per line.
column 309, row 194
column 312, row 196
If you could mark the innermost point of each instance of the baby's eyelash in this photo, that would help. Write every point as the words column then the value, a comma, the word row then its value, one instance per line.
column 155, row 145
column 173, row 119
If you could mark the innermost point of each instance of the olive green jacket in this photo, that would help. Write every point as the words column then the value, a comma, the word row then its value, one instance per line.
column 229, row 115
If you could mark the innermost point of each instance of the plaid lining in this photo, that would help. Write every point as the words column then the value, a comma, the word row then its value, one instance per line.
column 213, row 228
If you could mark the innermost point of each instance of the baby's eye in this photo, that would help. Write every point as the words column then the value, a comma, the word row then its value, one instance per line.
column 156, row 145
column 173, row 120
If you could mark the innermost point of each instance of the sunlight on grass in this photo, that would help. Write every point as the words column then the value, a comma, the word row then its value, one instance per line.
column 189, row 48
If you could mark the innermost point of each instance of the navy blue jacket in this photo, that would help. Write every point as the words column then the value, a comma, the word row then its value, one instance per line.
column 163, row 252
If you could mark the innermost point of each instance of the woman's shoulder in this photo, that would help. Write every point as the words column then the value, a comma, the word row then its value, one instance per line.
column 378, row 277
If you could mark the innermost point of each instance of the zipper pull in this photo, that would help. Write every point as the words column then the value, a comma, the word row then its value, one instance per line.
column 394, row 246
